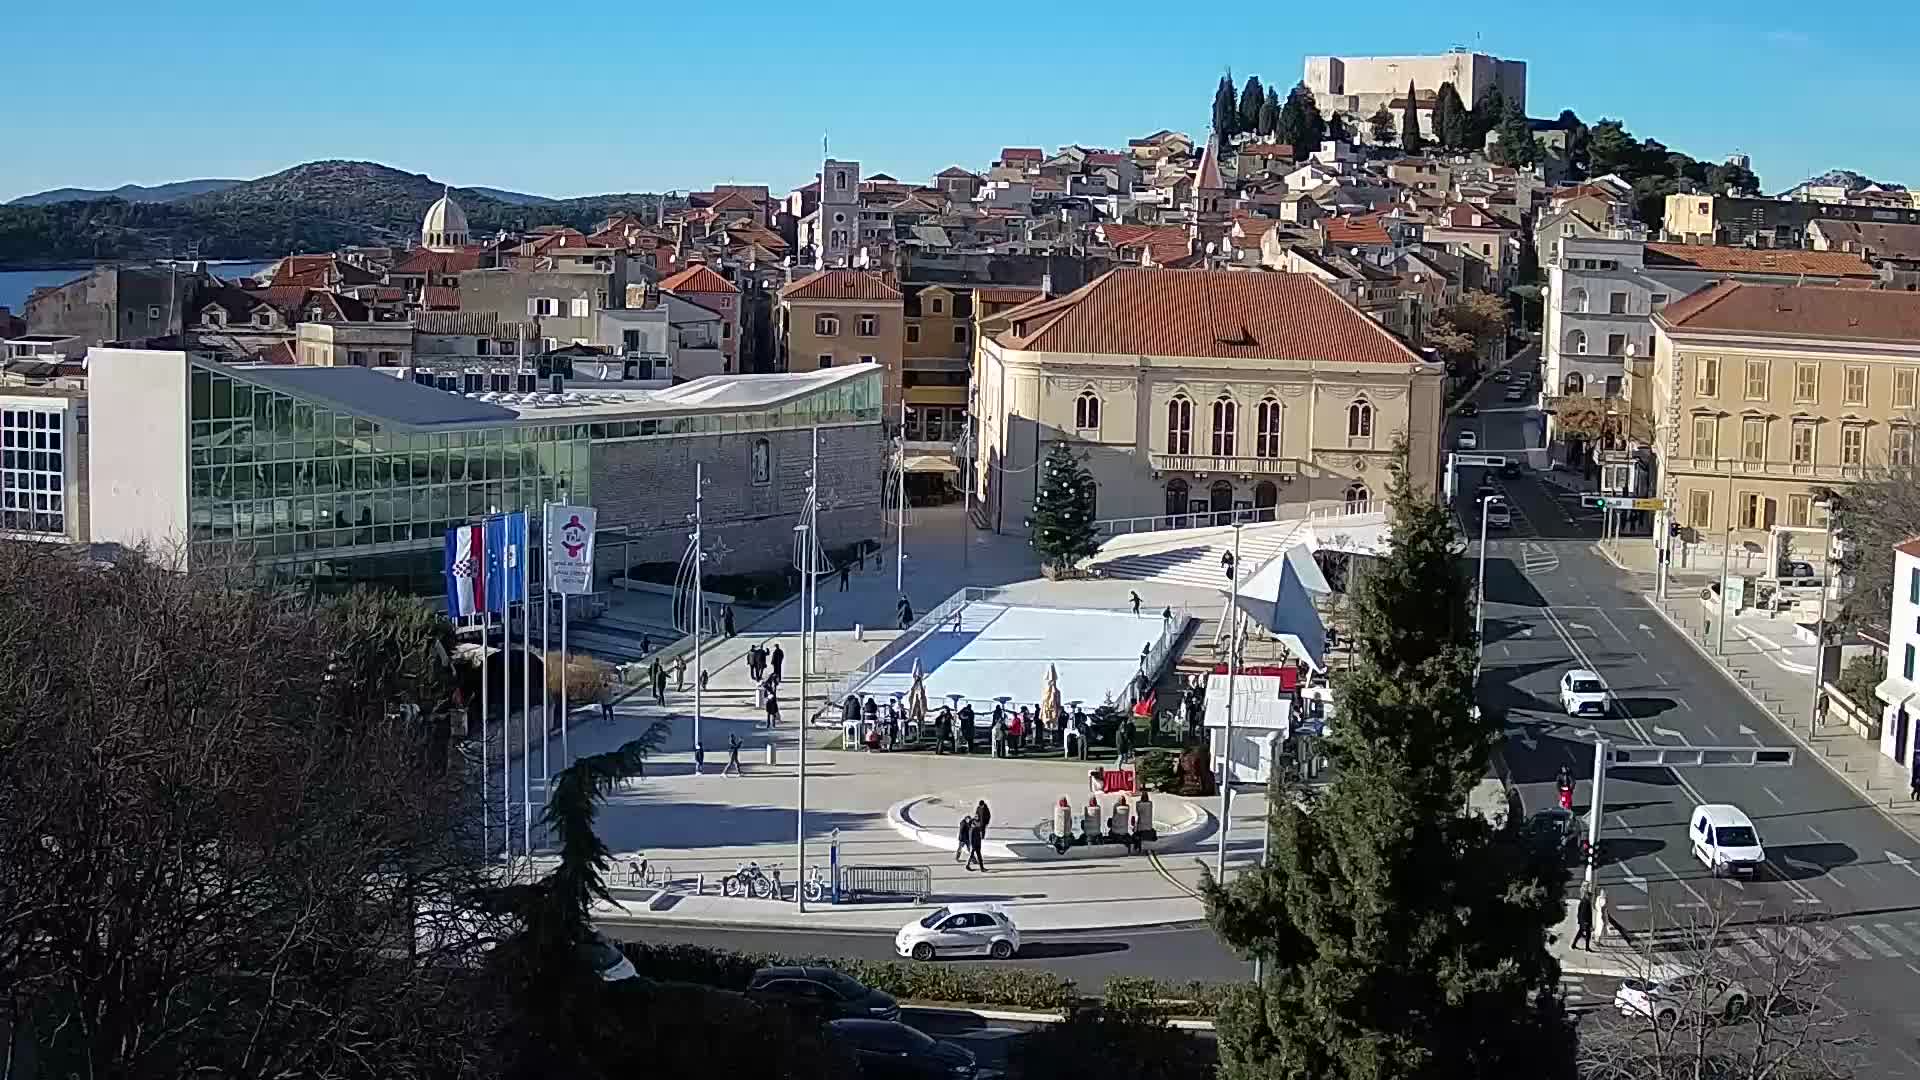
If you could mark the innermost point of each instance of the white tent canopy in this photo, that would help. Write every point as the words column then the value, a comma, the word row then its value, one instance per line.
column 1280, row 599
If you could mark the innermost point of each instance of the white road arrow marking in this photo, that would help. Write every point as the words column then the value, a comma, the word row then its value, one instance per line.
column 1747, row 731
column 1802, row 866
column 1902, row 862
column 1526, row 631
column 1527, row 740
column 1634, row 880
column 1647, row 628
column 1669, row 733
column 1579, row 626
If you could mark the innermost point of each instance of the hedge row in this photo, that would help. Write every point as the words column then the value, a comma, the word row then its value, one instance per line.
column 1007, row 987
column 1193, row 998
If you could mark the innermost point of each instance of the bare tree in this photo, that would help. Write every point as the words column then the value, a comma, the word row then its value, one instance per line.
column 223, row 812
column 1721, row 998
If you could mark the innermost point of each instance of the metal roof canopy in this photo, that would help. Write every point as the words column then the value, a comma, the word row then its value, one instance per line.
column 1698, row 757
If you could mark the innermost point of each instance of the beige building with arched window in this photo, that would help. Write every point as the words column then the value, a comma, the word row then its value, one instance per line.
column 1198, row 392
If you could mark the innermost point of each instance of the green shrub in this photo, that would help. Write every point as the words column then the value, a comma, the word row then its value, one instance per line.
column 1192, row 998
column 1858, row 678
column 1012, row 988
column 1158, row 768
column 1112, row 1043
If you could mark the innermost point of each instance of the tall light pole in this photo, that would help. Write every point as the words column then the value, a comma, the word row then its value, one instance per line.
column 807, row 558
column 699, row 591
column 966, row 495
column 1726, row 568
column 1820, row 626
column 1233, row 671
column 900, row 508
column 1599, row 805
column 1480, row 594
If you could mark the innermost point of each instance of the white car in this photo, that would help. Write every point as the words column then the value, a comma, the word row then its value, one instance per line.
column 608, row 961
column 1582, row 692
column 1686, row 996
column 1724, row 840
column 1467, row 440
column 960, row 930
column 1499, row 515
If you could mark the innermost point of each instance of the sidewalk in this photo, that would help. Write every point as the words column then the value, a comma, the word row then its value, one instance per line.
column 1772, row 668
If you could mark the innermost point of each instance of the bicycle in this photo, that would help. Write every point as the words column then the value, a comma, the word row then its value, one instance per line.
column 816, row 886
column 749, row 879
column 645, row 874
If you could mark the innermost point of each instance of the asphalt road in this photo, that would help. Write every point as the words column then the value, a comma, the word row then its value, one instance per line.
column 1841, row 882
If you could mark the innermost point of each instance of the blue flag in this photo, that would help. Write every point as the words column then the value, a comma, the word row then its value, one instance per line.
column 514, row 558
column 496, row 588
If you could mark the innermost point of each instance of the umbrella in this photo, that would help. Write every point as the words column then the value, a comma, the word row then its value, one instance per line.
column 917, row 696
column 1050, row 698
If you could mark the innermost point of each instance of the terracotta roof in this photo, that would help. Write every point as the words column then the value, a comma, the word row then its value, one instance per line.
column 1909, row 547
column 280, row 352
column 1266, row 149
column 841, row 285
column 1006, row 294
column 1468, row 217
column 1741, row 260
column 1356, row 230
column 422, row 261
column 1248, row 232
column 955, row 172
column 1808, row 311
column 1594, row 190
column 1022, row 153
column 1164, row 242
column 1208, row 176
column 440, row 298
column 464, row 323
column 698, row 278
column 1207, row 313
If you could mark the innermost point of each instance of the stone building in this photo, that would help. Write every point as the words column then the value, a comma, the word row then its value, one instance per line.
column 1359, row 85
column 125, row 304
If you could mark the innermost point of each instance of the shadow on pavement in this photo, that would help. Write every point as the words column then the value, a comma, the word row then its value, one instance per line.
column 1641, row 708
column 1621, row 849
column 1795, row 862
column 1054, row 950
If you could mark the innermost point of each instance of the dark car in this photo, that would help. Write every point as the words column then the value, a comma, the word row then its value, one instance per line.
column 1469, row 409
column 890, row 1050
column 823, row 992
column 1558, row 832
column 1798, row 573
column 1510, row 467
column 1502, row 375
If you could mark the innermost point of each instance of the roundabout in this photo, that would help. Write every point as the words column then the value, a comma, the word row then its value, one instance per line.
column 1022, row 820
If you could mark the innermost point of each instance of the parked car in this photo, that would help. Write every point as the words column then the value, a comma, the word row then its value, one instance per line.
column 1561, row 832
column 1469, row 409
column 1798, row 575
column 1724, row 840
column 1502, row 375
column 608, row 961
column 890, row 1050
column 1582, row 692
column 1686, row 997
column 959, row 930
column 1514, row 393
column 830, row 994
column 1467, row 440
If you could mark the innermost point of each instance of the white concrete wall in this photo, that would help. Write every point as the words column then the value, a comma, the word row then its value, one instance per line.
column 1903, row 623
column 137, row 467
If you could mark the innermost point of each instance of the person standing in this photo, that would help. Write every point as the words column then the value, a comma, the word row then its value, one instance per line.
column 1583, row 916
column 981, row 818
column 870, row 715
column 757, row 661
column 997, row 732
column 659, row 685
column 1016, row 728
column 726, row 620
column 966, row 728
column 1123, row 740
column 966, row 839
column 904, row 609
column 655, row 676
column 893, row 726
column 773, row 709
column 699, row 759
column 733, row 756
column 846, row 571
column 646, row 644
column 680, row 672
column 775, row 660
column 1134, row 599
column 606, row 705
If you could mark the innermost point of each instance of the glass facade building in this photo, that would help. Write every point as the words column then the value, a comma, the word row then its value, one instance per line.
column 315, row 496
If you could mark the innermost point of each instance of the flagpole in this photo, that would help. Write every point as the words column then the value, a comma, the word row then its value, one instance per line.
column 699, row 595
column 506, row 695
column 566, row 753
column 546, row 679
column 486, row 632
column 526, row 690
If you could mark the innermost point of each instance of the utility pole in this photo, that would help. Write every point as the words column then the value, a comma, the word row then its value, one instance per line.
column 1820, row 626
column 900, row 509
column 1599, row 805
column 1480, row 595
column 699, row 592
column 1233, row 671
column 809, row 595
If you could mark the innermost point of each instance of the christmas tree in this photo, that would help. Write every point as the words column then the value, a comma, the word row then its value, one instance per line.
column 1062, row 520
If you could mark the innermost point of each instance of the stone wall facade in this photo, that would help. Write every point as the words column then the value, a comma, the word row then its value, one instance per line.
column 644, row 488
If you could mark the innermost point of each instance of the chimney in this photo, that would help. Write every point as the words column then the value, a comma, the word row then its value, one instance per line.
column 1046, row 285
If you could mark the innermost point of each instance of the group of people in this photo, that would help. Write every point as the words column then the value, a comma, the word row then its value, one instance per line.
column 866, row 722
column 973, row 833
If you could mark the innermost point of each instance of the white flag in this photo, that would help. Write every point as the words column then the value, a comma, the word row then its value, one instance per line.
column 569, row 545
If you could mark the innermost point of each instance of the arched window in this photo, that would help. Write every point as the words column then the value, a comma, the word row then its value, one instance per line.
column 1360, row 420
column 1180, row 425
column 1576, row 300
column 1176, row 497
column 1225, row 415
column 1358, row 496
column 1576, row 383
column 1220, row 497
column 1577, row 342
column 1086, row 411
column 1265, row 497
column 1266, row 438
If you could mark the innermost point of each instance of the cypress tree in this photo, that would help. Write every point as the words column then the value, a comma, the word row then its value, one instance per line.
column 1270, row 113
column 1410, row 139
column 1449, row 118
column 1402, row 938
column 1225, row 112
column 1252, row 97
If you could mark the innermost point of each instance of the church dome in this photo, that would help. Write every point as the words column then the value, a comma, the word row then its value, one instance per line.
column 445, row 226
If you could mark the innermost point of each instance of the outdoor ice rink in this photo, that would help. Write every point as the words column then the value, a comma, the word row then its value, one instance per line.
column 1002, row 650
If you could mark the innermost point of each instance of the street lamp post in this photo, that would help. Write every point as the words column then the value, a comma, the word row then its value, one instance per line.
column 1233, row 671
column 1820, row 625
column 900, row 509
column 1480, row 594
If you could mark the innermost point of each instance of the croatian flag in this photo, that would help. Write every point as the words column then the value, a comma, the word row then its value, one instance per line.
column 468, row 591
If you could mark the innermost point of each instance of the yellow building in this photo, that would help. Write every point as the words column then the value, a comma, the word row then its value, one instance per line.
column 1199, row 392
column 1764, row 394
column 938, row 356
column 833, row 318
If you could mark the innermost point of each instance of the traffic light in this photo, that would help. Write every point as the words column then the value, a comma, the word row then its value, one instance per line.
column 1673, row 528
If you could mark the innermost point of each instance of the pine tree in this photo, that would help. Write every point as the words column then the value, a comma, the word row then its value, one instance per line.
column 1401, row 937
column 1225, row 112
column 1410, row 139
column 1337, row 130
column 1062, row 521
column 1518, row 147
column 1270, row 113
column 1300, row 125
column 1449, row 118
column 1380, row 127
column 1252, row 96
column 1485, row 117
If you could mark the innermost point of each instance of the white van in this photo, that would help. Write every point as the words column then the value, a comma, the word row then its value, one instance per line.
column 1725, row 841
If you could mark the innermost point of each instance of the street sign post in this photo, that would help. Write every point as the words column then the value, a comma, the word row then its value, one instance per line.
column 1620, row 502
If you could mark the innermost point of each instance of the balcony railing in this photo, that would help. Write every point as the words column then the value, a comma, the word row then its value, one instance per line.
column 1209, row 464
column 1774, row 470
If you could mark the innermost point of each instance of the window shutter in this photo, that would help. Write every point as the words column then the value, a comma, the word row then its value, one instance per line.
column 533, row 305
column 580, row 308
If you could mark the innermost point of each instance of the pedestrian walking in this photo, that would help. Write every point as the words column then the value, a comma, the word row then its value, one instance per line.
column 773, row 709
column 966, row 728
column 680, row 672
column 997, row 733
column 646, row 644
column 1583, row 916
column 904, row 609
column 726, row 620
column 733, row 757
column 1226, row 564
column 975, row 860
column 699, row 759
column 1134, row 599
column 1914, row 791
column 756, row 662
column 846, row 572
column 775, row 660
column 966, row 839
column 1166, row 617
column 893, row 728
column 656, row 680
column 1123, row 740
column 982, row 817
column 606, row 706
column 870, row 715
column 705, row 674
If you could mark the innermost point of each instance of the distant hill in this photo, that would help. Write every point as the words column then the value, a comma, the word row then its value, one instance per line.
column 313, row 207
column 159, row 193
column 514, row 198
column 1842, row 178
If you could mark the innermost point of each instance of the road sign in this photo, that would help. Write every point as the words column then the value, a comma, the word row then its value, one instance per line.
column 1621, row 502
column 1697, row 757
column 1494, row 461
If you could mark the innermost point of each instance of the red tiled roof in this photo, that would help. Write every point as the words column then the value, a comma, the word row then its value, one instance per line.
column 440, row 298
column 1252, row 230
column 1909, row 547
column 422, row 261
column 1269, row 149
column 280, row 352
column 841, row 285
column 1022, row 153
column 1106, row 157
column 1207, row 313
column 1365, row 230
column 1741, row 260
column 1164, row 242
column 698, row 278
column 1006, row 294
column 1806, row 311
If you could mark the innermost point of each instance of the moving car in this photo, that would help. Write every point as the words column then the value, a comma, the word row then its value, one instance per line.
column 1515, row 393
column 890, row 1050
column 1469, row 409
column 1467, row 440
column 1502, row 375
column 1685, row 997
column 1724, row 840
column 1582, row 693
column 959, row 930
column 1559, row 831
column 1498, row 516
column 823, row 991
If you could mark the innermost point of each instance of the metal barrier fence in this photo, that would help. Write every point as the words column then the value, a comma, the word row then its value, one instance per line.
column 862, row 881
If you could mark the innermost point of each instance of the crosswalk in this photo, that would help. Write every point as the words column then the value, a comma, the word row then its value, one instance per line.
column 1858, row 940
column 1586, row 991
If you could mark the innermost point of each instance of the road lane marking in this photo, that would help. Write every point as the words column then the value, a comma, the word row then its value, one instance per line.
column 1898, row 938
column 1662, row 864
column 1807, row 941
column 1874, row 943
column 1772, row 796
column 1622, row 822
column 1833, row 937
column 1818, row 835
column 1758, row 950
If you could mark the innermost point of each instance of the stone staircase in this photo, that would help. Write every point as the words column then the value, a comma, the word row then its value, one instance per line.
column 1199, row 563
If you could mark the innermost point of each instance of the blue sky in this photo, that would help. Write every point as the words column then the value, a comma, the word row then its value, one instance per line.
column 562, row 99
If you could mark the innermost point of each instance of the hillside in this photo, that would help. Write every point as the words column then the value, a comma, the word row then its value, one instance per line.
column 1846, row 179
column 313, row 207
column 159, row 193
